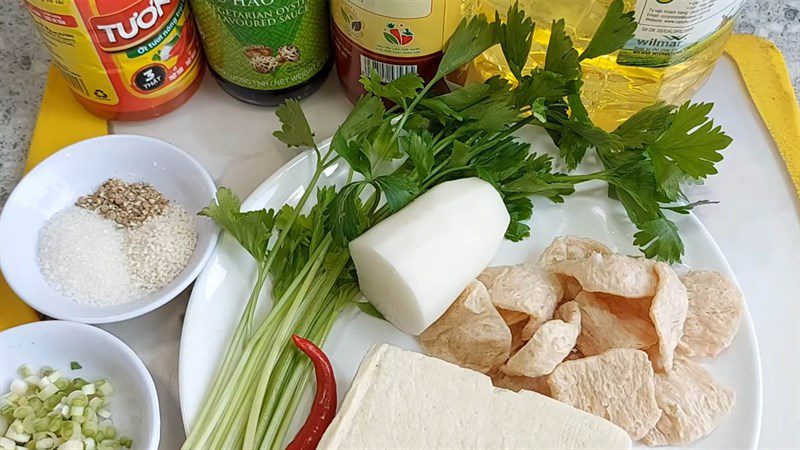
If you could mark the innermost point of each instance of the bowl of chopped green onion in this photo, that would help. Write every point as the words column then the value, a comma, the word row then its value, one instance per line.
column 71, row 386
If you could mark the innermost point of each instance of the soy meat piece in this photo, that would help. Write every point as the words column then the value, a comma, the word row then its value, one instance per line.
column 490, row 274
column 470, row 333
column 571, row 247
column 609, row 322
column 668, row 313
column 693, row 404
column 528, row 288
column 516, row 384
column 549, row 346
column 620, row 275
column 715, row 311
column 617, row 385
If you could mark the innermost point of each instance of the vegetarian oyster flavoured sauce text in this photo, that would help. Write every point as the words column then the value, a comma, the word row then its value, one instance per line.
column 264, row 51
column 122, row 59
column 390, row 37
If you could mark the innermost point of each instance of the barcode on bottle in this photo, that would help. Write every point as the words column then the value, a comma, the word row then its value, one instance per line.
column 74, row 81
column 387, row 72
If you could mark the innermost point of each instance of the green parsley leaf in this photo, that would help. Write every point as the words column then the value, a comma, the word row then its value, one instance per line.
column 370, row 310
column 492, row 114
column 502, row 161
column 690, row 146
column 418, row 147
column 466, row 96
column 461, row 155
column 295, row 131
column 252, row 229
column 579, row 136
column 552, row 186
column 541, row 84
column 399, row 191
column 561, row 57
column 516, row 38
column 685, row 209
column 380, row 148
column 345, row 216
column 351, row 152
column 470, row 39
column 646, row 125
column 75, row 365
column 398, row 90
column 659, row 239
column 614, row 31
column 366, row 115
column 519, row 210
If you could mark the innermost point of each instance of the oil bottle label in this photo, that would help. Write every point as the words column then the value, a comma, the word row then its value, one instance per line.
column 264, row 44
column 672, row 31
column 135, row 54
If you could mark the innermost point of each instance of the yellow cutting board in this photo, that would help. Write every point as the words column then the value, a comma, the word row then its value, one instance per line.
column 62, row 121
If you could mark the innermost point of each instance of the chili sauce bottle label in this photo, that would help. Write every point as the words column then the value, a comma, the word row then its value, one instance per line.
column 264, row 44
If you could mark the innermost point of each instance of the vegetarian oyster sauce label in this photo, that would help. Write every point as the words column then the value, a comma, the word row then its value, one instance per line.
column 672, row 31
column 264, row 44
column 133, row 53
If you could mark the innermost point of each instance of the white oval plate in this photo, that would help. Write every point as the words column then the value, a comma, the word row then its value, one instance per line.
column 55, row 343
column 221, row 291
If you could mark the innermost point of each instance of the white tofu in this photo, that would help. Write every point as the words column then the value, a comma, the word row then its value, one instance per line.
column 414, row 264
column 402, row 399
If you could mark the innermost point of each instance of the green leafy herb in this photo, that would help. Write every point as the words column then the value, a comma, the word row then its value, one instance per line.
column 689, row 147
column 368, row 309
column 295, row 131
column 516, row 38
column 470, row 39
column 399, row 90
column 75, row 365
column 614, row 31
column 561, row 58
column 252, row 229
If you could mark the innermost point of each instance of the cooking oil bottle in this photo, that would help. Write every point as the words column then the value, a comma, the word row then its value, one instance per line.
column 672, row 53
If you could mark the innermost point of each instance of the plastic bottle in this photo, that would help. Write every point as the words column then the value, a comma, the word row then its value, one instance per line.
column 391, row 37
column 674, row 49
column 122, row 59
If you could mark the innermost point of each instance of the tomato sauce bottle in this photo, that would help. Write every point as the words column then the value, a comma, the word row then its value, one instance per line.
column 391, row 38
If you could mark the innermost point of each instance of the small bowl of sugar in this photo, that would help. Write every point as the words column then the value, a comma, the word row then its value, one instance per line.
column 107, row 229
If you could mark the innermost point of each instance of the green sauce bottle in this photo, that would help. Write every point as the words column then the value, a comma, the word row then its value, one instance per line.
column 265, row 51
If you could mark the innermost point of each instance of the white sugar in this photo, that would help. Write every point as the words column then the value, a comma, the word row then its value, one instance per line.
column 159, row 249
column 82, row 255
column 91, row 259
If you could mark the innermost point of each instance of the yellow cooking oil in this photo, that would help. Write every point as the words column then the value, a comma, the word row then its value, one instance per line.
column 671, row 55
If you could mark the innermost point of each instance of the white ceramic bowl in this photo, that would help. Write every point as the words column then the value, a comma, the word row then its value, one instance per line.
column 80, row 169
column 133, row 403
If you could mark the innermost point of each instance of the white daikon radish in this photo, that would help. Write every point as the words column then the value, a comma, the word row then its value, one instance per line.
column 415, row 263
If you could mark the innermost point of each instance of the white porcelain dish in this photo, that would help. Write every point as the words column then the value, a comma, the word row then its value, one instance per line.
column 55, row 343
column 221, row 291
column 78, row 170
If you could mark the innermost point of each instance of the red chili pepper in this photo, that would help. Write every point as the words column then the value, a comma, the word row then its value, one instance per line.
column 396, row 33
column 324, row 407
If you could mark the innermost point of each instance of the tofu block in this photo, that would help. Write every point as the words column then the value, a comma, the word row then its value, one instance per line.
column 415, row 263
column 402, row 399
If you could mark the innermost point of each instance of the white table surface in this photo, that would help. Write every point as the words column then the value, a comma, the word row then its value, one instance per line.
column 757, row 225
